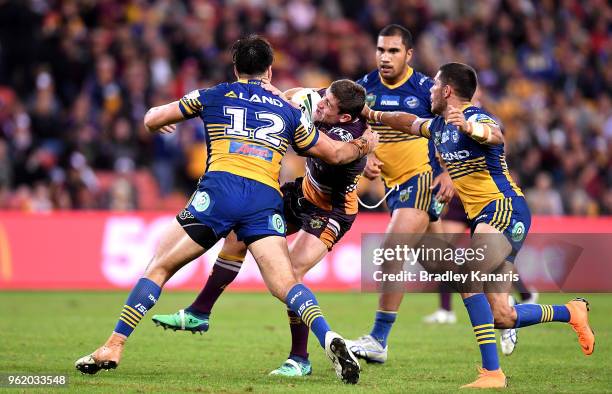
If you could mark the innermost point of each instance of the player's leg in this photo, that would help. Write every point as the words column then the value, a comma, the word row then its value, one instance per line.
column 195, row 318
column 305, row 252
column 445, row 314
column 478, row 307
column 272, row 257
column 407, row 224
column 175, row 249
column 514, row 230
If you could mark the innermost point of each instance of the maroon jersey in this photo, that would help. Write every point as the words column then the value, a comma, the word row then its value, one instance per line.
column 334, row 187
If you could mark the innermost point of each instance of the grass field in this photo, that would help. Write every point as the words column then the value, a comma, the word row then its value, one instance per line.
column 44, row 332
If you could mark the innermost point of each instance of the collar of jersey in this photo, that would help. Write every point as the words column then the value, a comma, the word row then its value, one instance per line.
column 400, row 82
column 251, row 81
column 466, row 106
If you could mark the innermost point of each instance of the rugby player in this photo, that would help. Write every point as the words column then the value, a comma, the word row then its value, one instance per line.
column 408, row 167
column 456, row 222
column 248, row 130
column 471, row 144
column 320, row 207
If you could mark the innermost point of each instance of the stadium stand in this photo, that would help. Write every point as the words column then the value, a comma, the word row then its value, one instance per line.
column 77, row 77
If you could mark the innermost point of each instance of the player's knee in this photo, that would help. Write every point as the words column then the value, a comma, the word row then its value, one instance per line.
column 280, row 291
column 503, row 316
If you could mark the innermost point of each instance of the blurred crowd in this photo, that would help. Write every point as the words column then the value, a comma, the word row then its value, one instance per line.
column 76, row 78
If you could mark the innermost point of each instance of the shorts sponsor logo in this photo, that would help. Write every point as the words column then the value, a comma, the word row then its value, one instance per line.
column 405, row 194
column 437, row 207
column 278, row 223
column 185, row 214
column 201, row 201
column 411, row 102
column 250, row 150
column 390, row 100
column 316, row 223
column 518, row 232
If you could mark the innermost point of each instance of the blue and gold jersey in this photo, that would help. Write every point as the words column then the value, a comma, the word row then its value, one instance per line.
column 248, row 129
column 479, row 172
column 403, row 155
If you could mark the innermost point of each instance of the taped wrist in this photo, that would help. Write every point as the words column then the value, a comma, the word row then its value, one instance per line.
column 362, row 146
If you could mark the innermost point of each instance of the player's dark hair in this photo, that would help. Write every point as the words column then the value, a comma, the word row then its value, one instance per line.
column 252, row 55
column 461, row 77
column 397, row 30
column 351, row 96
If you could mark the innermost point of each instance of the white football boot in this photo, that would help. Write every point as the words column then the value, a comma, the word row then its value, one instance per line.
column 368, row 348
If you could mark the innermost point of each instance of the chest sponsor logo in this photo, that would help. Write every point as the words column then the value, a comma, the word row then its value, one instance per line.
column 454, row 156
column 255, row 98
column 390, row 100
column 411, row 102
column 250, row 150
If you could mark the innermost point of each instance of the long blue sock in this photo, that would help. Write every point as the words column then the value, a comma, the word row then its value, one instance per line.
column 142, row 298
column 482, row 321
column 302, row 302
column 530, row 314
column 382, row 326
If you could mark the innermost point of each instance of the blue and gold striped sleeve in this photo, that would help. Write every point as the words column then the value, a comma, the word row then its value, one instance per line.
column 424, row 129
column 192, row 104
column 305, row 137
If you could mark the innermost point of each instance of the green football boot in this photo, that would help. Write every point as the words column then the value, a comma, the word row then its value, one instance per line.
column 182, row 320
column 293, row 368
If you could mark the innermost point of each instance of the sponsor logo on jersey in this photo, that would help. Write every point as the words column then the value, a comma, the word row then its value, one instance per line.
column 455, row 136
column 255, row 98
column 390, row 100
column 201, row 201
column 250, row 150
column 411, row 102
column 518, row 232
column 370, row 100
column 457, row 155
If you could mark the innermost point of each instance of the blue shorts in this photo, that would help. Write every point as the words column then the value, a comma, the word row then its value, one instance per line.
column 415, row 193
column 225, row 202
column 511, row 216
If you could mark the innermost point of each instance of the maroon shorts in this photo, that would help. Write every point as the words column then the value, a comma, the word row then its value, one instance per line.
column 328, row 226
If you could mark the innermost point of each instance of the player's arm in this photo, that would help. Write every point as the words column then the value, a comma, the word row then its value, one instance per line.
column 163, row 118
column 337, row 152
column 401, row 121
column 484, row 131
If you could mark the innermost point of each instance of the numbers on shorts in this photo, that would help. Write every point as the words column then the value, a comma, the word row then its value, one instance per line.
column 264, row 133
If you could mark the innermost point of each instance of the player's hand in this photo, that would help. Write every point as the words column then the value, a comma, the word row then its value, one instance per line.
column 267, row 85
column 456, row 117
column 447, row 190
column 373, row 167
column 371, row 138
column 365, row 112
column 171, row 128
